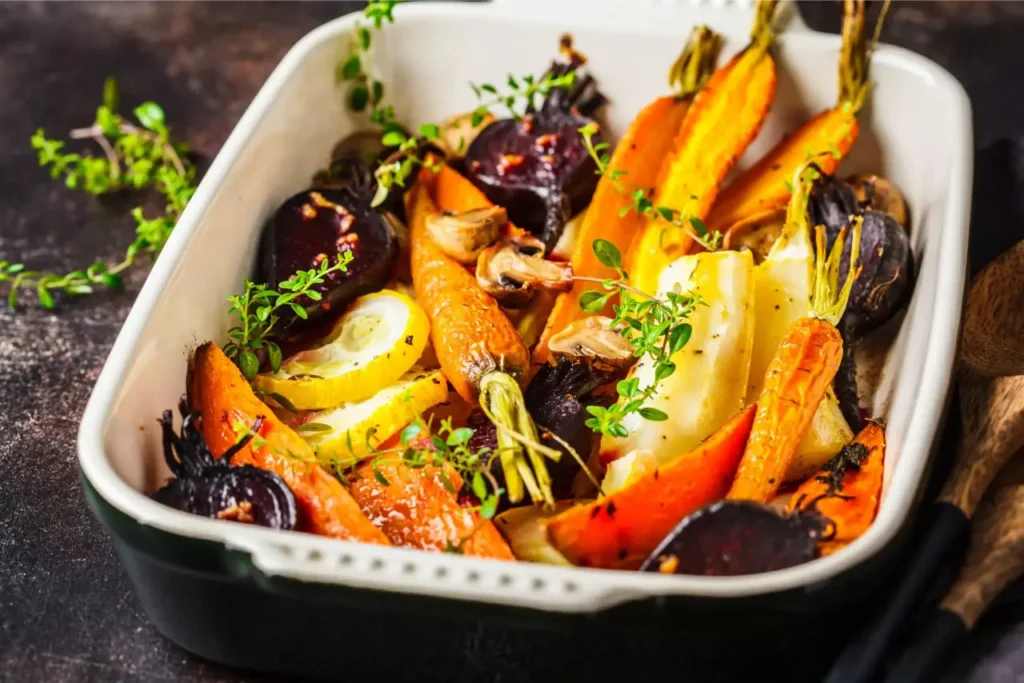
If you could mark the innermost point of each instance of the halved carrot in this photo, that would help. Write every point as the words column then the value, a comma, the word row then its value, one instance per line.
column 800, row 372
column 825, row 139
column 415, row 509
column 479, row 350
column 854, row 507
column 639, row 154
column 620, row 530
column 725, row 117
column 219, row 393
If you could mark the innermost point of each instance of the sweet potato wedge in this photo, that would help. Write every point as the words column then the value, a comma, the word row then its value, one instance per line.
column 621, row 530
column 414, row 508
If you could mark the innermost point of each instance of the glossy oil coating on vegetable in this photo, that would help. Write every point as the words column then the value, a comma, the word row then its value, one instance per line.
column 620, row 530
column 225, row 401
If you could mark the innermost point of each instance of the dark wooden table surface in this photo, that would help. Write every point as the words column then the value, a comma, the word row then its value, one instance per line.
column 67, row 612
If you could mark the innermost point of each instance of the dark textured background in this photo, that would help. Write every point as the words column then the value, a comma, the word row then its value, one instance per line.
column 67, row 612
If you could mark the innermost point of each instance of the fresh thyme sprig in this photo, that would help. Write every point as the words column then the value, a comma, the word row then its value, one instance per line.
column 365, row 90
column 134, row 157
column 524, row 89
column 654, row 327
column 259, row 309
column 642, row 204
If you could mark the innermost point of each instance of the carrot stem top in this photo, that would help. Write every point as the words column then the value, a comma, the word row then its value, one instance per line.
column 855, row 54
column 828, row 301
column 695, row 65
column 761, row 34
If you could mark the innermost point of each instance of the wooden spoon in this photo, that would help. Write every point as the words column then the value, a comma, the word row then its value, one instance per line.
column 992, row 410
column 994, row 323
column 995, row 558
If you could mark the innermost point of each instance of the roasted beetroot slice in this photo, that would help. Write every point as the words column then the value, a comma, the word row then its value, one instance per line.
column 316, row 225
column 537, row 167
column 215, row 488
column 247, row 493
column 733, row 538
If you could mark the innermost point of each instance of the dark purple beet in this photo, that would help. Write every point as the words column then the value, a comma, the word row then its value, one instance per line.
column 557, row 399
column 845, row 382
column 537, row 167
column 735, row 537
column 886, row 279
column 215, row 488
column 318, row 224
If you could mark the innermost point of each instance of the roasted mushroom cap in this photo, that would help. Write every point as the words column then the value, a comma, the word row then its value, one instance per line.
column 463, row 236
column 512, row 270
column 879, row 194
column 756, row 234
column 592, row 340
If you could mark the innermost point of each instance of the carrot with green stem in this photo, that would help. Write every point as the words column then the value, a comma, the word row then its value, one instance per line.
column 638, row 158
column 825, row 139
column 801, row 372
column 479, row 351
column 725, row 118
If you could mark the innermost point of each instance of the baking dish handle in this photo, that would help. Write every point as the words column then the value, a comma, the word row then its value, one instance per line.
column 789, row 18
column 302, row 570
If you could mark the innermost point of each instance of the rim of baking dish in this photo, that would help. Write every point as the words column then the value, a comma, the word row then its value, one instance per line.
column 550, row 588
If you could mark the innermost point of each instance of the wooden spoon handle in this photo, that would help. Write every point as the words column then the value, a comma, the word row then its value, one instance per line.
column 993, row 417
column 995, row 556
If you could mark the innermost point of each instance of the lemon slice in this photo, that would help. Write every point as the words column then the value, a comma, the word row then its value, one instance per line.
column 377, row 340
column 349, row 433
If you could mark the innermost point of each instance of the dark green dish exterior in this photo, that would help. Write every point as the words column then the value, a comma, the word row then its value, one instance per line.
column 213, row 602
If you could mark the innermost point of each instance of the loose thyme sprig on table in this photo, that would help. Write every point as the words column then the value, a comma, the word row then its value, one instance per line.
column 134, row 158
column 654, row 327
column 642, row 204
column 259, row 310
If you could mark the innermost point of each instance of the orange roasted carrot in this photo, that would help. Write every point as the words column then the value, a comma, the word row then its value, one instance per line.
column 847, row 488
column 801, row 370
column 454, row 192
column 725, row 117
column 826, row 138
column 620, row 530
column 414, row 509
column 639, row 154
column 219, row 393
column 478, row 349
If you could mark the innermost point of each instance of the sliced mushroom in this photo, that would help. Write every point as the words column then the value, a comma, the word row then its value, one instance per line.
column 512, row 270
column 463, row 236
column 592, row 340
column 756, row 233
column 458, row 132
column 879, row 194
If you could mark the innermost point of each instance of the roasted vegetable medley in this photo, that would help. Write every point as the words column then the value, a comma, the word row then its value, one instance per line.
column 508, row 335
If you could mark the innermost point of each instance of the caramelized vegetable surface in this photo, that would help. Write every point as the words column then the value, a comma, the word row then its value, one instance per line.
column 724, row 119
column 621, row 530
column 414, row 509
column 219, row 393
column 847, row 489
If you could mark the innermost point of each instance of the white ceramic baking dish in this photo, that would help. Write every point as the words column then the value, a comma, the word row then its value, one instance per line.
column 916, row 131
